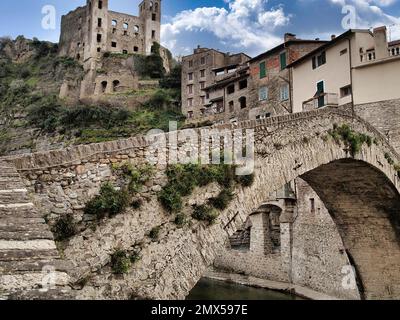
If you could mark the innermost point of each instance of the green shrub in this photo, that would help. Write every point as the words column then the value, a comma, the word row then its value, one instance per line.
column 247, row 180
column 120, row 262
column 182, row 179
column 223, row 199
column 170, row 199
column 64, row 228
column 137, row 204
column 353, row 140
column 389, row 159
column 109, row 202
column 180, row 220
column 135, row 257
column 204, row 213
column 155, row 233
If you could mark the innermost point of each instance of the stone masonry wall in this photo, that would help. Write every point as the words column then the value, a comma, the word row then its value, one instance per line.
column 286, row 147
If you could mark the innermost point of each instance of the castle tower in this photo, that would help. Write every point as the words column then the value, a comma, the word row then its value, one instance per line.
column 150, row 13
column 97, row 27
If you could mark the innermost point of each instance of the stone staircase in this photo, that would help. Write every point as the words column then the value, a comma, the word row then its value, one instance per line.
column 30, row 265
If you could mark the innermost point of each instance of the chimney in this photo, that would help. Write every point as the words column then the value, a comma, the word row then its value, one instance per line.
column 289, row 37
column 381, row 44
column 317, row 39
column 333, row 37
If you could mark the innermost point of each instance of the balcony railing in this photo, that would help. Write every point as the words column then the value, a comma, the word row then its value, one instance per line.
column 323, row 100
column 368, row 56
column 394, row 51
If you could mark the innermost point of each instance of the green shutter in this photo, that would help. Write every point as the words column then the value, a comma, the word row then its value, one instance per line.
column 283, row 60
column 263, row 70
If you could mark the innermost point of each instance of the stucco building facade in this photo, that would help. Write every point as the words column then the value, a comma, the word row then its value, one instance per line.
column 357, row 67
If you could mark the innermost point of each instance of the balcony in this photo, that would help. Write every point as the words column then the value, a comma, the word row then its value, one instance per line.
column 368, row 56
column 322, row 100
column 394, row 51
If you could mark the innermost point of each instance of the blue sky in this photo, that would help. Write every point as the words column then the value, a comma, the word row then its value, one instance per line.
column 250, row 26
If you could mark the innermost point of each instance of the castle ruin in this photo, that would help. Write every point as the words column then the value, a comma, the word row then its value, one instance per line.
column 91, row 31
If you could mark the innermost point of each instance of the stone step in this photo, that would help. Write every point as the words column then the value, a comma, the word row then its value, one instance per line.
column 22, row 212
column 21, row 227
column 26, row 235
column 63, row 293
column 31, row 255
column 11, row 221
column 12, row 267
column 14, row 197
column 11, row 184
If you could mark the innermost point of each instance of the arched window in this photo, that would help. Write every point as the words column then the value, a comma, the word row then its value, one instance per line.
column 151, row 5
column 136, row 29
column 115, row 85
column 126, row 26
column 243, row 102
column 114, row 23
column 156, row 7
column 103, row 86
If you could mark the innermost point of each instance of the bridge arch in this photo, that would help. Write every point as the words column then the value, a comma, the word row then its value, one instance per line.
column 287, row 147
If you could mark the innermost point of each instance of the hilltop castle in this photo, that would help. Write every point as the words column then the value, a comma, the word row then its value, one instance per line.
column 88, row 32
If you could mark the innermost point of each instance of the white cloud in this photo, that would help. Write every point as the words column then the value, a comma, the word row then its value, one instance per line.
column 247, row 24
column 371, row 13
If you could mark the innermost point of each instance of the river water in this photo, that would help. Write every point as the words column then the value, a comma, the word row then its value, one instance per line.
column 208, row 289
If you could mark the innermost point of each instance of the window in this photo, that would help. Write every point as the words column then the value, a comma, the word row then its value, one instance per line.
column 126, row 26
column 263, row 94
column 125, row 33
column 98, row 37
column 154, row 17
column 136, row 29
column 263, row 70
column 220, row 106
column 231, row 106
column 202, row 73
column 263, row 116
column 203, row 60
column 202, row 85
column 190, row 89
column 319, row 60
column 190, row 102
column 203, row 99
column 190, row 76
column 190, row 63
column 98, row 49
column 243, row 102
column 282, row 59
column 345, row 91
column 125, row 51
column 242, row 84
column 312, row 205
column 114, row 30
column 190, row 114
column 115, row 85
column 99, row 22
column 113, row 44
column 135, row 49
column 230, row 89
column 114, row 23
column 153, row 34
column 103, row 86
column 284, row 93
column 100, row 4
column 320, row 93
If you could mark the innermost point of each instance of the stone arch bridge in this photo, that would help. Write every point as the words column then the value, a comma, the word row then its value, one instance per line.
column 361, row 193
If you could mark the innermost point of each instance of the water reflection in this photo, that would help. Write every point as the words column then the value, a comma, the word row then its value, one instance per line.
column 208, row 289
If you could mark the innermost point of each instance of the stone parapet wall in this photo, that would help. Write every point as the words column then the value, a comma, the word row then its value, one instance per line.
column 252, row 264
